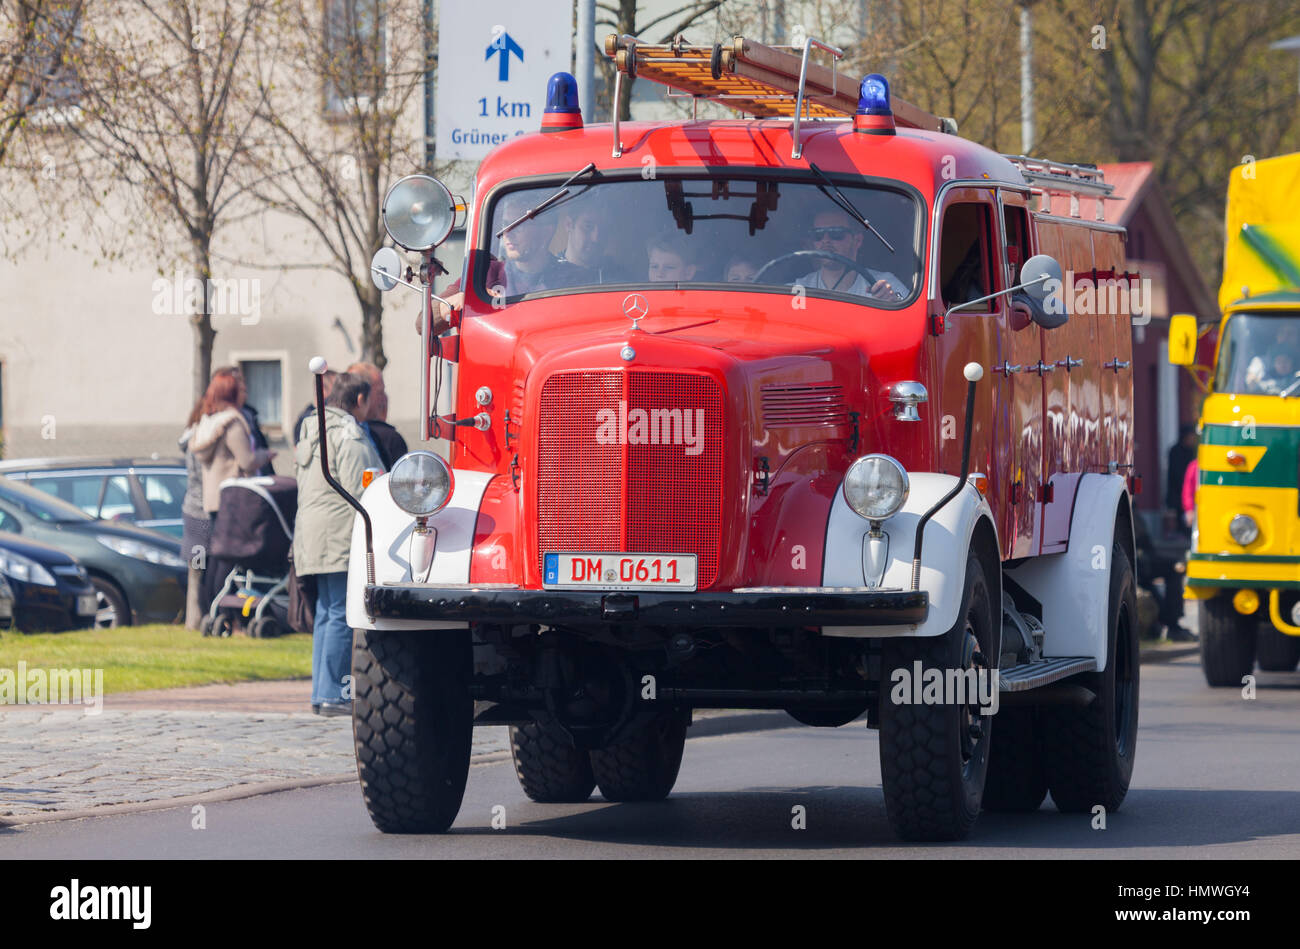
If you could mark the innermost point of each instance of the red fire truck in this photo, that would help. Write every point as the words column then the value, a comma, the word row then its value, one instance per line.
column 785, row 412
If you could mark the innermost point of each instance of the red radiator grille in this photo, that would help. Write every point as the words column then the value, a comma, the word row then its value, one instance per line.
column 660, row 498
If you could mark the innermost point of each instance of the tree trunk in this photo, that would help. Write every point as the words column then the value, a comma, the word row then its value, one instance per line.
column 371, row 299
column 204, row 335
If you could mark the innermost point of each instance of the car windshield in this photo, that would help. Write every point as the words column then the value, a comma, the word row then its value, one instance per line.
column 745, row 232
column 1259, row 354
column 40, row 504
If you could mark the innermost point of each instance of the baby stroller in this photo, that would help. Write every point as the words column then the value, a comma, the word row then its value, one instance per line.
column 251, row 540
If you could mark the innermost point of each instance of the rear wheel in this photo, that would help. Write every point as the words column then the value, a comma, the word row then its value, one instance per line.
column 1276, row 651
column 643, row 766
column 1227, row 642
column 1016, row 779
column 549, row 770
column 412, row 723
column 934, row 757
column 110, row 604
column 1089, row 751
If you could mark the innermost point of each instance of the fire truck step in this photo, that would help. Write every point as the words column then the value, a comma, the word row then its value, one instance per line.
column 1031, row 675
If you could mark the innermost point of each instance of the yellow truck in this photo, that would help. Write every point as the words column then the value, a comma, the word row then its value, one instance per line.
column 1244, row 563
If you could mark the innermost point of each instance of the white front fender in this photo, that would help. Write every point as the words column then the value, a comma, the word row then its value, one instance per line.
column 943, row 556
column 392, row 528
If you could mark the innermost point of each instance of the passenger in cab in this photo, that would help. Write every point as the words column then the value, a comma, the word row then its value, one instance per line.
column 670, row 261
column 835, row 232
column 1271, row 374
column 741, row 268
column 586, row 230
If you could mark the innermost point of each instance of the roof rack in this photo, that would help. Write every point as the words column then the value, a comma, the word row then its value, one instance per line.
column 1047, row 178
column 764, row 81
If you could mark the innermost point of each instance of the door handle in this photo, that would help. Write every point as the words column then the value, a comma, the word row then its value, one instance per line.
column 1069, row 363
column 1043, row 367
column 1116, row 364
column 1007, row 369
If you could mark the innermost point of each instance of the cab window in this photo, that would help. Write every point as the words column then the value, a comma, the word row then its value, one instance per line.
column 1015, row 222
column 965, row 271
column 1259, row 355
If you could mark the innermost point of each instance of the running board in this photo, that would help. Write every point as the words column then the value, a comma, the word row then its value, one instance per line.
column 1032, row 675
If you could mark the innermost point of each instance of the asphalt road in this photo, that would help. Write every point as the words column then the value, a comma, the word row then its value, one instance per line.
column 1217, row 776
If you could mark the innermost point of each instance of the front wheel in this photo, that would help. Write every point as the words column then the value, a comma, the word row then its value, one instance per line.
column 934, row 755
column 412, row 724
column 110, row 605
column 1227, row 642
column 1089, row 751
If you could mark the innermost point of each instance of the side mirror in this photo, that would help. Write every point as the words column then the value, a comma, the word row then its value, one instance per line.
column 385, row 268
column 1041, row 282
column 1182, row 339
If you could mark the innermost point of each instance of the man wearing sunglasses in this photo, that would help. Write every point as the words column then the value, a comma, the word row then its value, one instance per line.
column 836, row 233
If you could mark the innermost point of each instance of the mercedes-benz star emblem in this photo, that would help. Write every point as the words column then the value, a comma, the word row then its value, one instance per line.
column 635, row 308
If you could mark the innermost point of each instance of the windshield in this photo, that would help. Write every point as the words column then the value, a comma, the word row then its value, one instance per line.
column 1259, row 354
column 746, row 232
column 40, row 504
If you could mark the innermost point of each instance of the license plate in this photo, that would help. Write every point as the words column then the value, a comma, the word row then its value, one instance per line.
column 87, row 604
column 619, row 571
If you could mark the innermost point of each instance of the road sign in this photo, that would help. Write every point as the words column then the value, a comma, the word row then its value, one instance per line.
column 494, row 57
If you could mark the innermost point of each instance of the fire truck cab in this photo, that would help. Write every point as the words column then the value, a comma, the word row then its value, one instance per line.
column 783, row 412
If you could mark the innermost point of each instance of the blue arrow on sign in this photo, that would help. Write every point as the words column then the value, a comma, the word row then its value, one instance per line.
column 505, row 45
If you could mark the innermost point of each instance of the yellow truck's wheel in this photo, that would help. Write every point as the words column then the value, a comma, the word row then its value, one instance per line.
column 1227, row 642
column 1275, row 651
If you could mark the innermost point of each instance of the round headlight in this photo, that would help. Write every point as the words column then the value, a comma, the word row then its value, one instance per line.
column 876, row 486
column 418, row 212
column 420, row 483
column 1243, row 529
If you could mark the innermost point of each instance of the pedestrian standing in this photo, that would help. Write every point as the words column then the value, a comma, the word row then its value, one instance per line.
column 196, row 529
column 387, row 440
column 322, row 534
column 223, row 443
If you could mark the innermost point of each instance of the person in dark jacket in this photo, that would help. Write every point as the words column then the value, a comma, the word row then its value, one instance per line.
column 327, row 383
column 1181, row 454
column 387, row 440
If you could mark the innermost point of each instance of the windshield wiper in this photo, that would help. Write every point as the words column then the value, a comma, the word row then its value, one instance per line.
column 847, row 205
column 1289, row 389
column 533, row 212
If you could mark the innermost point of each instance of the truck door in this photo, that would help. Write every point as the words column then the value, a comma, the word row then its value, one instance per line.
column 971, row 265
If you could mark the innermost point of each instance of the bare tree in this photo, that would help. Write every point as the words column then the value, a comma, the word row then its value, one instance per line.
column 37, row 40
column 167, row 96
column 625, row 19
column 340, row 126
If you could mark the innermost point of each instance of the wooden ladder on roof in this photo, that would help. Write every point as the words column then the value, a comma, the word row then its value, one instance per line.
column 749, row 77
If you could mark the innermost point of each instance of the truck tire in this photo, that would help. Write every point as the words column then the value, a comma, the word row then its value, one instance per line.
column 933, row 767
column 643, row 766
column 1089, row 751
column 412, row 722
column 1016, row 779
column 549, row 771
column 1227, row 642
column 1276, row 651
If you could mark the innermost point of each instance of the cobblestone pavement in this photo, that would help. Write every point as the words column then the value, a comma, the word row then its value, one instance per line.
column 59, row 759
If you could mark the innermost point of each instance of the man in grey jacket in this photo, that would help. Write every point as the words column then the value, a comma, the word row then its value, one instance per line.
column 322, row 535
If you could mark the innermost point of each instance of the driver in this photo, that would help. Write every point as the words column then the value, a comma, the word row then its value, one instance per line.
column 1272, row 373
column 835, row 232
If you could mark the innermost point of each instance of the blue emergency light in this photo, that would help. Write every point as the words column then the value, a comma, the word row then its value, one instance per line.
column 874, row 116
column 562, row 109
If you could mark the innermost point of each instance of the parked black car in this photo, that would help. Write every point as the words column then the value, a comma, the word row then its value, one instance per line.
column 6, row 605
column 146, row 492
column 139, row 575
column 51, row 591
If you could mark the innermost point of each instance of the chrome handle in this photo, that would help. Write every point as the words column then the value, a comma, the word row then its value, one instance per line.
column 1043, row 367
column 1007, row 369
column 1116, row 364
column 1069, row 363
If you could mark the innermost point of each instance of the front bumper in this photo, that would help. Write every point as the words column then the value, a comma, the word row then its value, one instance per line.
column 756, row 607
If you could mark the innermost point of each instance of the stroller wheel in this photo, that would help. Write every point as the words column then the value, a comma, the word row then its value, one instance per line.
column 205, row 625
column 221, row 627
column 265, row 628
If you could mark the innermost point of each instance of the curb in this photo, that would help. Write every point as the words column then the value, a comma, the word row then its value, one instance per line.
column 1168, row 653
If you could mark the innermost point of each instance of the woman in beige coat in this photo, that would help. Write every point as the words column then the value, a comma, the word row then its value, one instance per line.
column 322, row 533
